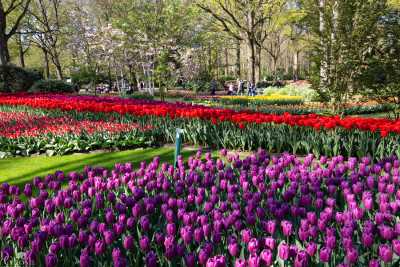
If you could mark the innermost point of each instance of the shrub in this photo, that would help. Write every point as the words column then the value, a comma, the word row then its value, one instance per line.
column 140, row 95
column 52, row 86
column 197, row 86
column 265, row 84
column 16, row 79
column 87, row 76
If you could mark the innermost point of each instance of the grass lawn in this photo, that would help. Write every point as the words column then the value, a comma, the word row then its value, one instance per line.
column 22, row 170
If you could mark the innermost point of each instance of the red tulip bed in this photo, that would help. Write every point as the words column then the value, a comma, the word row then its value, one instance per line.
column 24, row 133
column 225, row 128
column 259, row 211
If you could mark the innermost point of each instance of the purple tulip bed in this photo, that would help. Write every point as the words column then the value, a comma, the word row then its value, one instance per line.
column 258, row 211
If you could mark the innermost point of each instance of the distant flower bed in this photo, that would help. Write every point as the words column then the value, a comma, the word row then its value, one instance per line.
column 275, row 99
column 20, row 124
column 23, row 134
column 259, row 211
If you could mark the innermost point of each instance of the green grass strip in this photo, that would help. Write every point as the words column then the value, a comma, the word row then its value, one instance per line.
column 19, row 171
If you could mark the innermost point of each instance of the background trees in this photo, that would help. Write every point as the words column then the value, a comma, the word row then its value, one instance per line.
column 343, row 46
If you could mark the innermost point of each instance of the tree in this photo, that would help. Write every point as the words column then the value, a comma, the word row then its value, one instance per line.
column 345, row 31
column 8, row 9
column 380, row 77
column 47, row 28
column 244, row 21
column 154, row 28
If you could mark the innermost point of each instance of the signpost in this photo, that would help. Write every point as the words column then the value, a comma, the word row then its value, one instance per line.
column 178, row 145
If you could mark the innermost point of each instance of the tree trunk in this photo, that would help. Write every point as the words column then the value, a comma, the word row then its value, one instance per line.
column 21, row 52
column 226, row 62
column 209, row 59
column 324, row 57
column 238, row 58
column 109, row 76
column 296, row 65
column 57, row 64
column 252, row 60
column 21, row 56
column 259, row 63
column 274, row 66
column 4, row 54
column 46, row 64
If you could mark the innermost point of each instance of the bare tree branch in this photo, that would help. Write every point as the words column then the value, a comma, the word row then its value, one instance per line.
column 221, row 20
column 19, row 19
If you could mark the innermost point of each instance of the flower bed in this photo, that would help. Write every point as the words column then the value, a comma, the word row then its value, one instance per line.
column 19, row 124
column 217, row 127
column 259, row 211
column 277, row 100
column 261, row 100
column 23, row 133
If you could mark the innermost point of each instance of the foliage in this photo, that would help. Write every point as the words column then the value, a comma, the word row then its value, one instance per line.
column 345, row 32
column 52, row 86
column 87, row 76
column 139, row 96
column 224, row 79
column 17, row 79
column 380, row 79
column 197, row 86
column 267, row 83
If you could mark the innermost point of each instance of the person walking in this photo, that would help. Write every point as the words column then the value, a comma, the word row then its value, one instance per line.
column 231, row 90
column 251, row 91
column 213, row 86
column 249, row 88
column 240, row 87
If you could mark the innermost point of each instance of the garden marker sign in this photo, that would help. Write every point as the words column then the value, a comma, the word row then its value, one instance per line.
column 178, row 145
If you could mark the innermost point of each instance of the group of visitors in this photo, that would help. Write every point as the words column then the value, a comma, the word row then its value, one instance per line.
column 239, row 90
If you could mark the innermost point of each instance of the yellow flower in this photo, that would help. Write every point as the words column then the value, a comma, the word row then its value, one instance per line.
column 274, row 97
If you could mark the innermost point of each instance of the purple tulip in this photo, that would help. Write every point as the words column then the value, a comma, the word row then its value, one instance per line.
column 151, row 259
column 283, row 251
column 246, row 235
column 109, row 237
column 30, row 258
column 385, row 253
column 240, row 263
column 374, row 263
column 144, row 243
column 287, row 228
column 301, row 259
column 99, row 247
column 203, row 256
column 50, row 260
column 7, row 253
column 190, row 260
column 324, row 254
column 267, row 257
column 271, row 227
column 84, row 259
column 128, row 242
column 254, row 261
column 252, row 246
column 234, row 249
column 352, row 255
column 396, row 246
